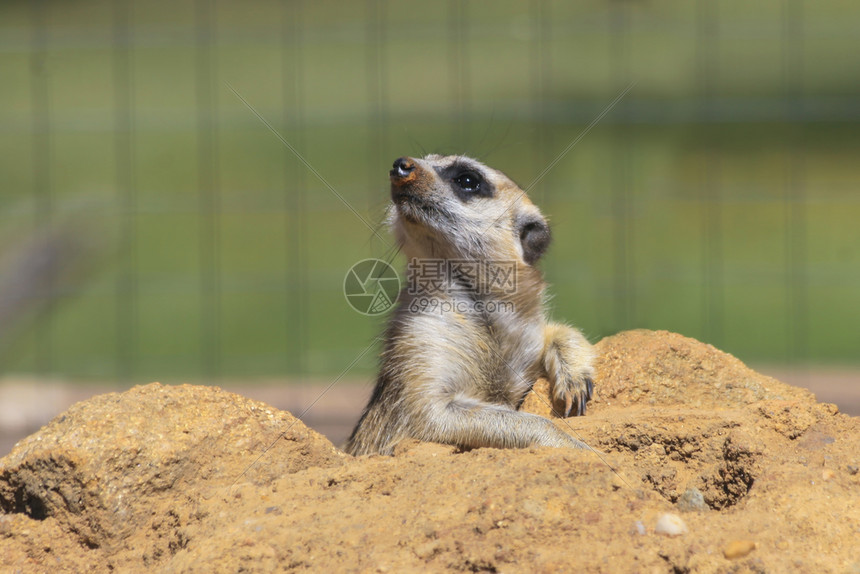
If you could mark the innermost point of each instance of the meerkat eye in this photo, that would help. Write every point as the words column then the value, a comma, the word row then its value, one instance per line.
column 469, row 181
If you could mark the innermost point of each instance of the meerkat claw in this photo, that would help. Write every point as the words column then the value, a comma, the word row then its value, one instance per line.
column 585, row 397
column 568, row 404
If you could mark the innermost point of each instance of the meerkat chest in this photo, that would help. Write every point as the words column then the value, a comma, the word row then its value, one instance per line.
column 520, row 344
column 504, row 347
column 466, row 347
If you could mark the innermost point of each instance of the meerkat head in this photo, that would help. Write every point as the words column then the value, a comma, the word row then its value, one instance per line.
column 457, row 207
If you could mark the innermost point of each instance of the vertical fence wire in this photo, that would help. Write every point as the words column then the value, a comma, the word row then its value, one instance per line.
column 377, row 94
column 126, row 188
column 42, row 176
column 707, row 72
column 209, row 240
column 458, row 73
column 620, row 181
column 539, row 74
column 795, row 193
column 295, row 191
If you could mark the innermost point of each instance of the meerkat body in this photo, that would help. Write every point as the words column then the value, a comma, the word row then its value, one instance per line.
column 470, row 334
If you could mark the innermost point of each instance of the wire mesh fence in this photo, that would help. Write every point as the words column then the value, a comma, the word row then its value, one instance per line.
column 153, row 226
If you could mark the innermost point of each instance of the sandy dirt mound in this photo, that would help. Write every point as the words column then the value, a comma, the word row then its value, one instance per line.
column 701, row 465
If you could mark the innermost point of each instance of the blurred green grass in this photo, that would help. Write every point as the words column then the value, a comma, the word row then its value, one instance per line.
column 677, row 211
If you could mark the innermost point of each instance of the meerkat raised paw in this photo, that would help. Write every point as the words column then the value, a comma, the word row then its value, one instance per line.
column 469, row 336
column 567, row 359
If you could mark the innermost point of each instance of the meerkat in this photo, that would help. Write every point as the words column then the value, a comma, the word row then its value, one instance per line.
column 470, row 334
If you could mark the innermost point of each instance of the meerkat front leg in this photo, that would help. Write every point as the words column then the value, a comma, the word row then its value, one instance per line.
column 472, row 423
column 567, row 358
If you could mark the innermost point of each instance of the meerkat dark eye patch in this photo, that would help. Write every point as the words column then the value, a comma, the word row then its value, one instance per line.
column 535, row 238
column 466, row 182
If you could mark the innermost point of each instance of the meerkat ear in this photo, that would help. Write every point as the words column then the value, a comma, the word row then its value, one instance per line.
column 534, row 236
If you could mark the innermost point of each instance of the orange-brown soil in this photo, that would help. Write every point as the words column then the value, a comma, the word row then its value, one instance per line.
column 195, row 479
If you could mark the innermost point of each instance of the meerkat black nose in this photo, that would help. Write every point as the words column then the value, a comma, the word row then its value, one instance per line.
column 403, row 166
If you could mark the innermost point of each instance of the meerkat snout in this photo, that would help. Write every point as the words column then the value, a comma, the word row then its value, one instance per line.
column 403, row 166
column 470, row 334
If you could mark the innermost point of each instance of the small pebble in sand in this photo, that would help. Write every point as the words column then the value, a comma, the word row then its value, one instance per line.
column 691, row 501
column 738, row 548
column 670, row 525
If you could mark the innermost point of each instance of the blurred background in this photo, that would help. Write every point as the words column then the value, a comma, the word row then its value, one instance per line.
column 153, row 227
